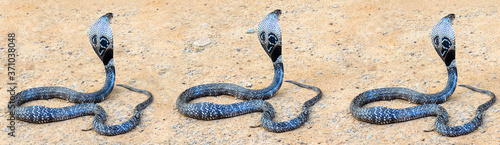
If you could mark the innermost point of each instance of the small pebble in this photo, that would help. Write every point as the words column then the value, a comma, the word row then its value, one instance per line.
column 249, row 85
column 250, row 31
column 335, row 6
column 202, row 42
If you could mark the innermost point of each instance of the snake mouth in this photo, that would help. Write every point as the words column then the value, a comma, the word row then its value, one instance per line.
column 451, row 16
column 109, row 15
column 277, row 12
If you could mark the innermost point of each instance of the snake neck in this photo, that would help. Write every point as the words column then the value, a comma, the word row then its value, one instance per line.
column 265, row 93
column 101, row 94
column 275, row 85
column 451, row 85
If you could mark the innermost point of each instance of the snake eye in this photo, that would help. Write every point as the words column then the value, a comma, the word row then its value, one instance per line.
column 436, row 41
column 272, row 39
column 446, row 43
column 262, row 36
column 94, row 40
column 104, row 42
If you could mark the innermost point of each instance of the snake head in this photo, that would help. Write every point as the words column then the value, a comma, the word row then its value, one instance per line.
column 443, row 39
column 269, row 33
column 101, row 38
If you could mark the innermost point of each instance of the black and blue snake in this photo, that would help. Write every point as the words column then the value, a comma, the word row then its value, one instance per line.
column 269, row 34
column 101, row 39
column 443, row 39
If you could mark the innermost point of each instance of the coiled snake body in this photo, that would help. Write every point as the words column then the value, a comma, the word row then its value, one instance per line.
column 270, row 38
column 101, row 39
column 444, row 42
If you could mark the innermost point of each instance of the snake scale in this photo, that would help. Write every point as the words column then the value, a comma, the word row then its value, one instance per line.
column 443, row 38
column 101, row 39
column 269, row 34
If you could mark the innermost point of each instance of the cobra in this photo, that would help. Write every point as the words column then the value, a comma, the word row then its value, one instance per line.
column 443, row 38
column 269, row 35
column 101, row 39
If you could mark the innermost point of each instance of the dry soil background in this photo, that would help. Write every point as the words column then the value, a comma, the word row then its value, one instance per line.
column 343, row 47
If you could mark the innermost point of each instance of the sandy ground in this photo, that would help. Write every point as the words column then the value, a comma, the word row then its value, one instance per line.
column 344, row 48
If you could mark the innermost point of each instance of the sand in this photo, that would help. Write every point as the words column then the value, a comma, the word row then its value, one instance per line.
column 344, row 48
